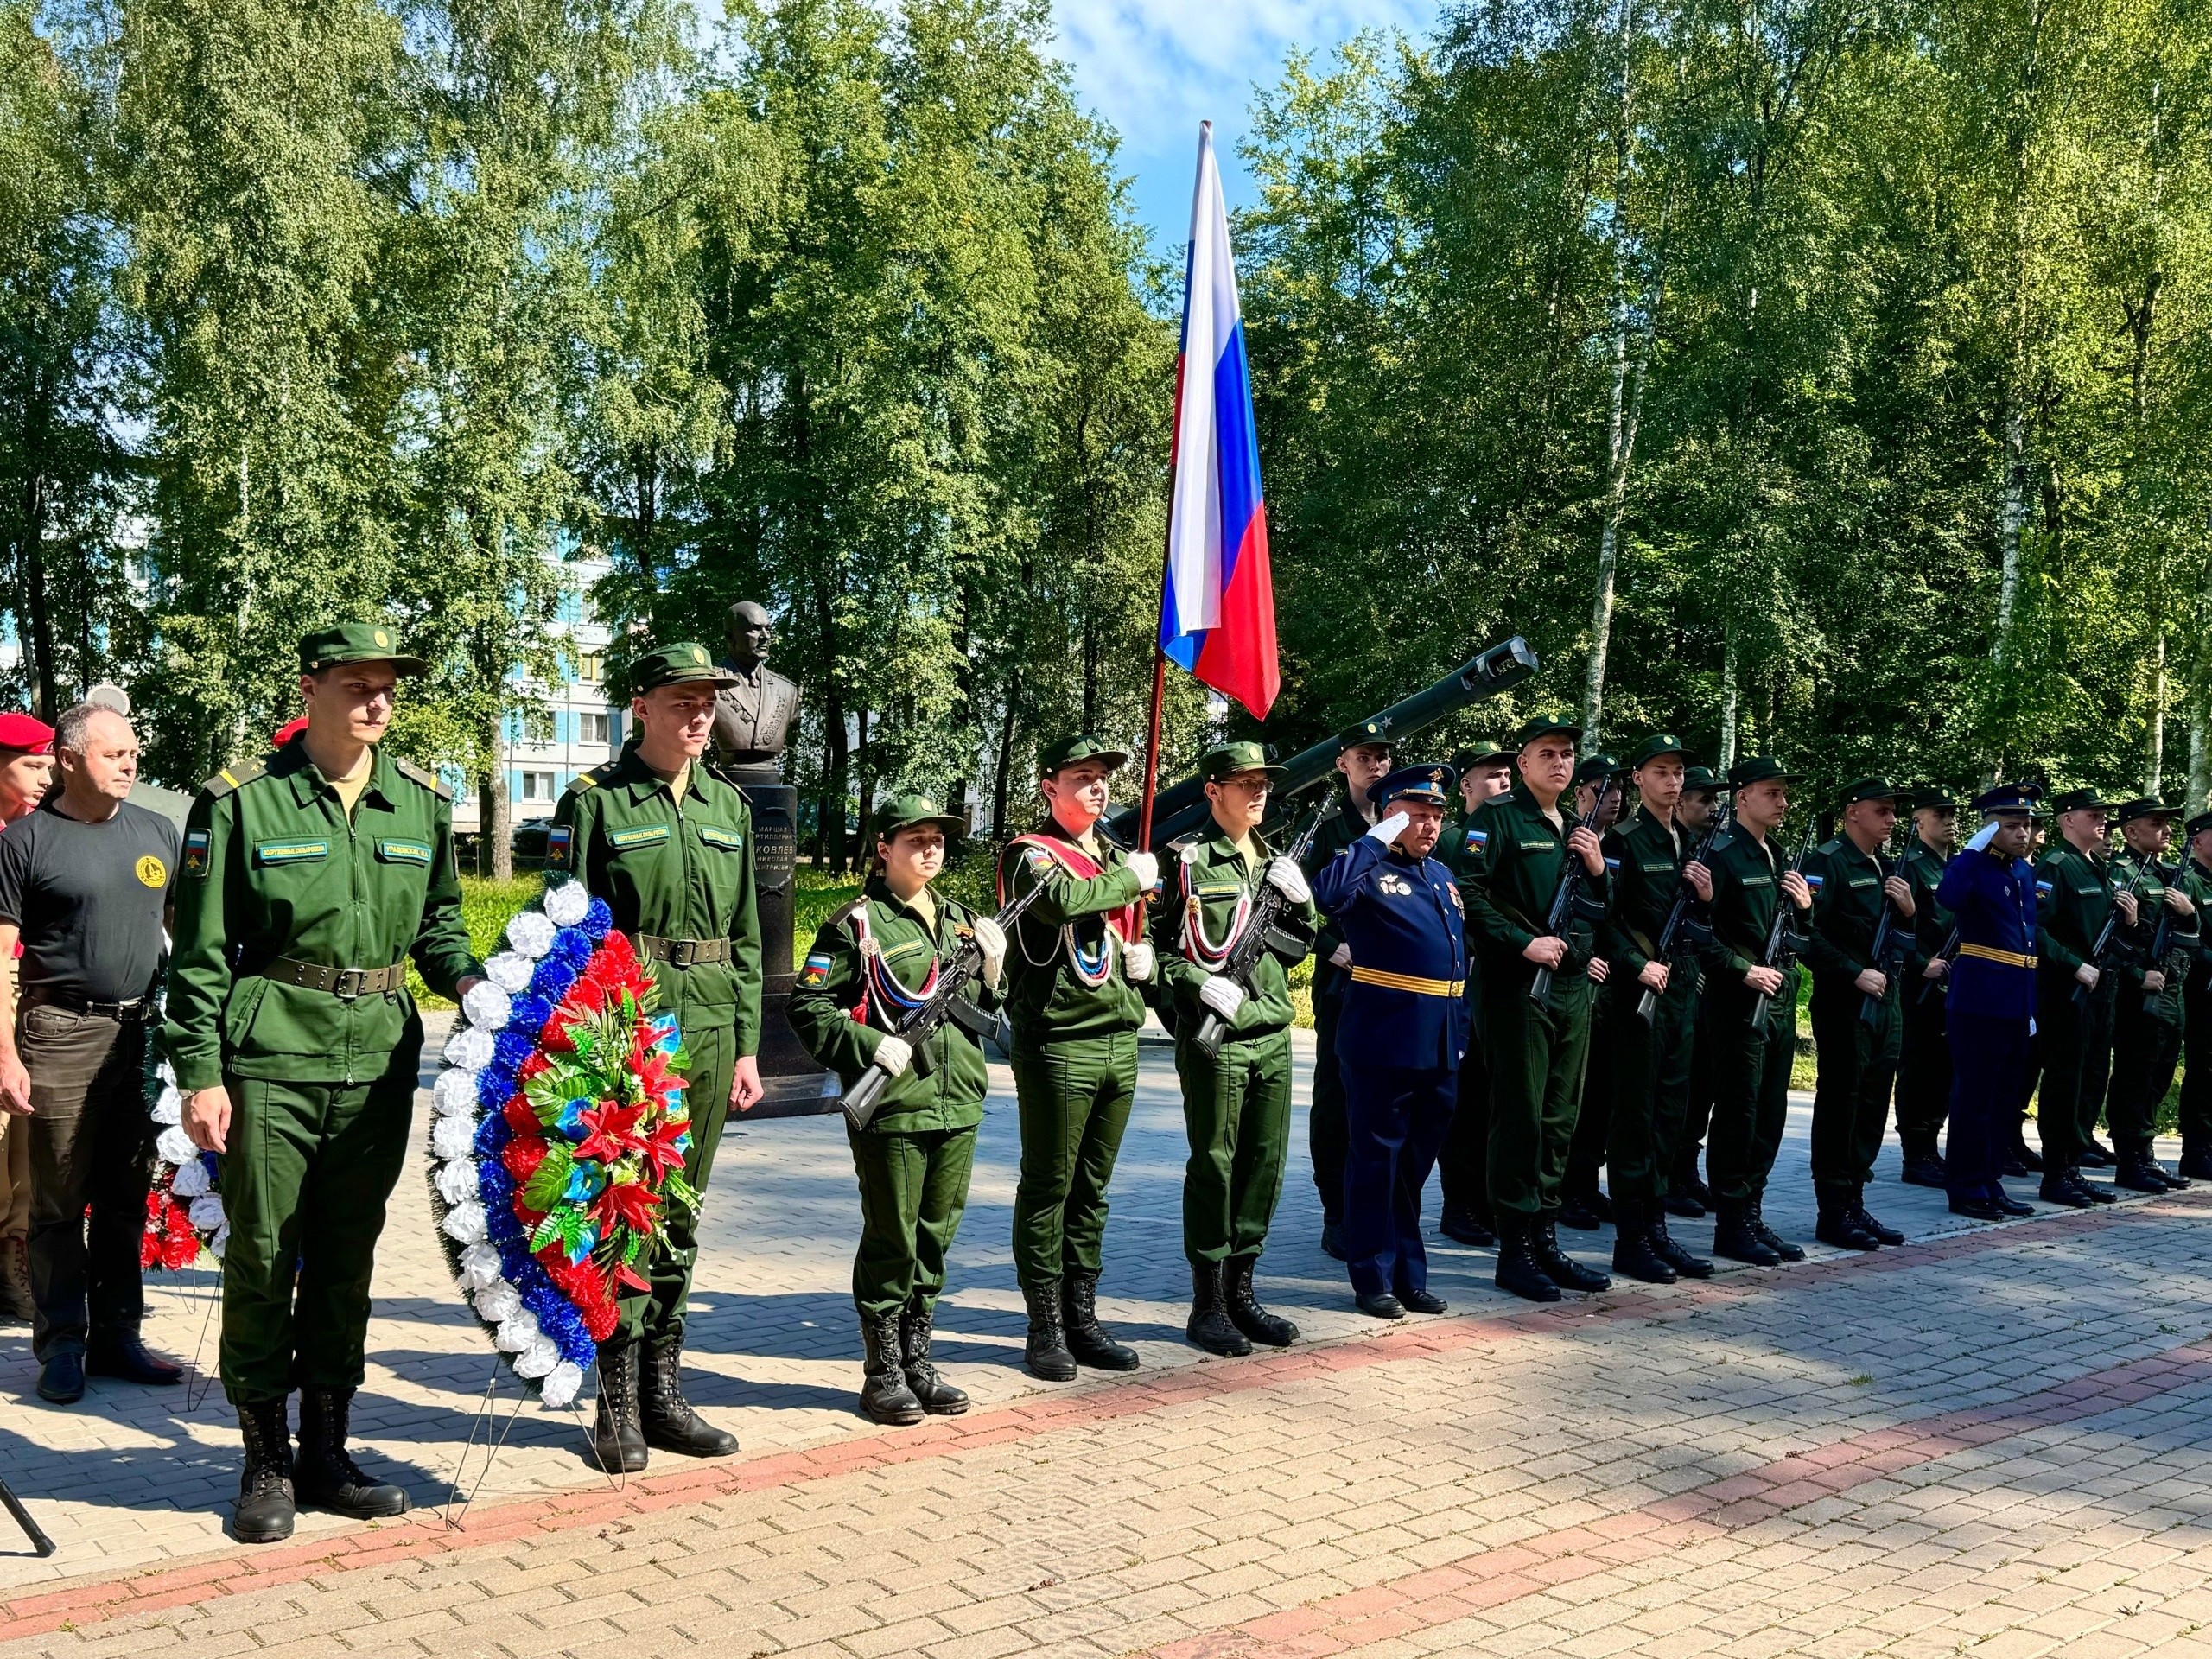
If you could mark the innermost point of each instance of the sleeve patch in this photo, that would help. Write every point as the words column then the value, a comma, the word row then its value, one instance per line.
column 817, row 971
column 1478, row 839
column 559, row 840
column 2042, row 889
column 1814, row 881
column 197, row 858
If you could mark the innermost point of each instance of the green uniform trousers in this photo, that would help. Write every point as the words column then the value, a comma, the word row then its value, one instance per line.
column 1327, row 1136
column 1650, row 1083
column 1462, row 1167
column 1236, row 1109
column 2145, row 1051
column 1074, row 1099
column 2076, row 1054
column 1851, row 1098
column 1697, row 1115
column 309, row 1169
column 655, row 1316
column 1751, row 1088
column 2196, row 1069
column 913, row 1192
column 1924, row 1069
column 1536, row 1057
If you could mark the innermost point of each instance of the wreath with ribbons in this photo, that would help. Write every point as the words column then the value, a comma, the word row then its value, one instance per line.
column 184, row 1204
column 558, row 1138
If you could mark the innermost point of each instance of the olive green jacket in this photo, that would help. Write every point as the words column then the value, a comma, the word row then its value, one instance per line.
column 834, row 981
column 1746, row 887
column 1046, row 1001
column 1646, row 859
column 2150, row 910
column 1338, row 831
column 1847, row 905
column 1208, row 873
column 1509, row 873
column 1922, row 867
column 675, row 870
column 2073, row 898
column 274, row 870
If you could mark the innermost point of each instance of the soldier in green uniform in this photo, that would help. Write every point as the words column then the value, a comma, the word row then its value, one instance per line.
column 1362, row 759
column 1751, row 1057
column 309, row 876
column 1853, row 886
column 1649, row 855
column 2147, row 1011
column 666, row 840
column 1517, row 843
column 1583, row 1203
column 1486, row 770
column 1079, row 954
column 1236, row 1101
column 871, row 963
column 2075, row 892
column 1687, row 1192
column 2197, row 1016
column 1924, row 1059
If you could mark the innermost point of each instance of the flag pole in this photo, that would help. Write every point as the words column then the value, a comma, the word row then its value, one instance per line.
column 1152, row 748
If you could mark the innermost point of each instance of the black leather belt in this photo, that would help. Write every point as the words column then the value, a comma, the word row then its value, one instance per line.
column 137, row 1009
column 344, row 984
column 685, row 953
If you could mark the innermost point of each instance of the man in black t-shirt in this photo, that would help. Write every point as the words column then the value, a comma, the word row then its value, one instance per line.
column 85, row 883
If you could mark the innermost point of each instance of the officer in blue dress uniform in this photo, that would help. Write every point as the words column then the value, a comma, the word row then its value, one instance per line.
column 1402, row 1031
column 1989, row 1011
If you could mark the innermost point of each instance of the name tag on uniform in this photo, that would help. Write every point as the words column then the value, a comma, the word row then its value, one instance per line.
column 1218, row 889
column 559, row 841
column 912, row 948
column 1865, row 881
column 637, row 834
column 1538, row 846
column 714, row 836
column 196, row 856
column 267, row 852
column 1658, row 869
column 404, row 852
column 1759, row 881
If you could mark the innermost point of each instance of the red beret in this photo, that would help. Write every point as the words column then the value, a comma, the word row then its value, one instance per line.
column 288, row 731
column 24, row 733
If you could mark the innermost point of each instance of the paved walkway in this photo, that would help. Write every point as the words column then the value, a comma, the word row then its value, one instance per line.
column 1994, row 1440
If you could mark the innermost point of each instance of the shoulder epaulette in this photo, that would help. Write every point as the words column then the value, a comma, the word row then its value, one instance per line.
column 1188, row 849
column 584, row 780
column 424, row 776
column 237, row 775
column 843, row 913
column 1829, row 848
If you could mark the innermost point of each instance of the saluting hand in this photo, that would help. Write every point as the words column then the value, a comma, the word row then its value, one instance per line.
column 207, row 1118
column 1583, row 842
column 1701, row 880
column 1800, row 894
column 1900, row 894
column 2126, row 903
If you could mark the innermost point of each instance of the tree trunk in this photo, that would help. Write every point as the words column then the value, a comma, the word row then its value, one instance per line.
column 1728, row 704
column 2153, row 780
column 1001, row 785
column 495, row 856
column 37, row 610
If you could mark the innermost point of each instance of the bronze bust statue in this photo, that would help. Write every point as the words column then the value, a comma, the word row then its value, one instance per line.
column 752, row 717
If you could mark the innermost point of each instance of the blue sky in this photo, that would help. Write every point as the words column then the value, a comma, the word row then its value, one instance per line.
column 1156, row 68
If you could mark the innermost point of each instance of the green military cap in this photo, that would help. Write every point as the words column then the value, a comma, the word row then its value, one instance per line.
column 1229, row 759
column 905, row 812
column 2080, row 800
column 1485, row 753
column 2147, row 806
column 1596, row 767
column 1657, row 745
column 356, row 642
column 1545, row 726
column 1084, row 746
column 1359, row 736
column 1934, row 798
column 684, row 663
column 1700, row 780
column 1761, row 769
column 2198, row 825
column 1869, row 789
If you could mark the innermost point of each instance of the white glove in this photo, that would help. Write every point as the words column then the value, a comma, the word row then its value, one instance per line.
column 1223, row 996
column 1145, row 867
column 990, row 939
column 893, row 1054
column 1341, row 957
column 1287, row 878
column 1136, row 961
column 1984, row 836
column 1390, row 829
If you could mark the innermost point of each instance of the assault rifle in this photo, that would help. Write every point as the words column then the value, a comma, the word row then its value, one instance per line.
column 1783, row 942
column 948, row 1001
column 2101, row 953
column 1681, row 925
column 1892, row 939
column 2163, row 946
column 1262, row 933
column 1568, row 903
column 1947, row 954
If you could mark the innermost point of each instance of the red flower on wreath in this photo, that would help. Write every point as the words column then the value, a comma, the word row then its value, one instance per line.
column 624, row 1204
column 662, row 1153
column 522, row 1118
column 522, row 1157
column 614, row 1133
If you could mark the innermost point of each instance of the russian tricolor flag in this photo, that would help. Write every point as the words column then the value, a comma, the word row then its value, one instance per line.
column 1217, row 612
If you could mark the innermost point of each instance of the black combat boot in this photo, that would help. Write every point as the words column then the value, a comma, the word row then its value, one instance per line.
column 1668, row 1249
column 1465, row 1227
column 1633, row 1256
column 1923, row 1166
column 666, row 1417
column 1090, row 1343
column 2196, row 1160
column 939, row 1398
column 2065, row 1188
column 1558, row 1265
column 325, row 1475
column 1836, row 1226
column 2137, row 1173
column 1733, row 1237
column 884, row 1397
column 2095, row 1154
column 2021, row 1159
column 1883, row 1233
column 1046, row 1353
column 616, row 1439
column 264, row 1512
column 1333, row 1238
column 1755, row 1216
column 1516, row 1261
column 1209, row 1326
column 1269, row 1330
column 1578, row 1204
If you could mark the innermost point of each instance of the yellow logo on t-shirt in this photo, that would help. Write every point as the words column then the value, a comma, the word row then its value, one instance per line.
column 152, row 873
